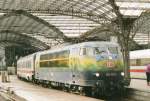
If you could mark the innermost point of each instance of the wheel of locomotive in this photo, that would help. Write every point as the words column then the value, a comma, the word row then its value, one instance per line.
column 88, row 91
column 37, row 81
column 98, row 92
column 49, row 84
column 121, row 91
column 81, row 90
column 71, row 88
column 33, row 79
column 66, row 87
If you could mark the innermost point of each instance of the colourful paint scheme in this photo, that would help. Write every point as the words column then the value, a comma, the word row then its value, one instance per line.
column 90, row 63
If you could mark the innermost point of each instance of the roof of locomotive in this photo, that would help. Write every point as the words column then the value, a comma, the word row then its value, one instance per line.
column 97, row 43
column 139, row 54
column 85, row 44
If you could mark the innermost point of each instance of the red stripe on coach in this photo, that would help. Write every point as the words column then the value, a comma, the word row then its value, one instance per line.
column 137, row 70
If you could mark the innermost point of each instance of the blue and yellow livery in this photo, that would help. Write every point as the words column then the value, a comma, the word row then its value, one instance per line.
column 89, row 66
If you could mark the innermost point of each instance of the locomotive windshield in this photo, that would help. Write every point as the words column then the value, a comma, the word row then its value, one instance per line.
column 101, row 53
column 100, row 50
column 113, row 50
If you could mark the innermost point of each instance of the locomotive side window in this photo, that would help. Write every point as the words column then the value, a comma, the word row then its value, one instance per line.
column 83, row 51
column 86, row 51
column 113, row 50
column 57, row 59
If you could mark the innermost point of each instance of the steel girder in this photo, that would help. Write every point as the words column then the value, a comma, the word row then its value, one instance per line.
column 24, row 23
column 12, row 38
column 89, row 9
column 142, row 24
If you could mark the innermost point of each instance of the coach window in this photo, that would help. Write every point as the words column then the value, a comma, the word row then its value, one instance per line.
column 145, row 61
column 138, row 62
column 133, row 62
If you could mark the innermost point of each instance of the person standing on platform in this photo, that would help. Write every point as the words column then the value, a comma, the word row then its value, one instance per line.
column 148, row 74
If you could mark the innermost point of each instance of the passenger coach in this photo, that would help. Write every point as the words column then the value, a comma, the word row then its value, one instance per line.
column 139, row 59
column 26, row 67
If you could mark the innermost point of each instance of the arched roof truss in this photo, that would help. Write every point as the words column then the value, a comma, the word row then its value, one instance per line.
column 141, row 28
column 23, row 22
column 99, row 11
column 12, row 38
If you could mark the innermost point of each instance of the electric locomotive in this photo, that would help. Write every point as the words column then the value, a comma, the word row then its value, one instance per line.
column 93, row 67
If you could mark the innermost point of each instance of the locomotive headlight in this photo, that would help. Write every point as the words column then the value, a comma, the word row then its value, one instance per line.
column 97, row 74
column 122, row 73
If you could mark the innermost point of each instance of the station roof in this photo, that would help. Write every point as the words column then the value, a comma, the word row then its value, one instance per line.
column 9, row 38
column 140, row 54
column 20, row 26
column 52, row 19
column 95, row 10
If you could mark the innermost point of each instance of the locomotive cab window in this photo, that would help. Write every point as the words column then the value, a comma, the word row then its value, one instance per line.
column 113, row 50
column 100, row 50
column 83, row 51
column 88, row 51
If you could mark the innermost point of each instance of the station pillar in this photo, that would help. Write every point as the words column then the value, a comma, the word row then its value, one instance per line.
column 124, row 41
column 13, row 53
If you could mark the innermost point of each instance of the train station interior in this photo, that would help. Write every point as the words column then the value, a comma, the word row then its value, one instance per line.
column 34, row 26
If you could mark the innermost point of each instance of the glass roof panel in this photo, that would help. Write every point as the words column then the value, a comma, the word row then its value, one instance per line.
column 141, row 38
column 69, row 25
column 72, row 17
column 130, row 12
column 133, row 7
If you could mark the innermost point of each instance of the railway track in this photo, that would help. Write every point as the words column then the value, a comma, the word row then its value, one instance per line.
column 6, row 94
column 130, row 95
column 136, row 95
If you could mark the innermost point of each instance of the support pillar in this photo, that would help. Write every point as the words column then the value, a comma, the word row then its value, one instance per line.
column 124, row 40
column 13, row 53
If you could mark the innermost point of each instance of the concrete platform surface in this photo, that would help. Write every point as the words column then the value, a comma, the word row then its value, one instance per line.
column 139, row 84
column 2, row 99
column 32, row 92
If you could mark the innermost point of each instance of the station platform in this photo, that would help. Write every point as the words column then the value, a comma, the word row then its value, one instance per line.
column 139, row 84
column 32, row 92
